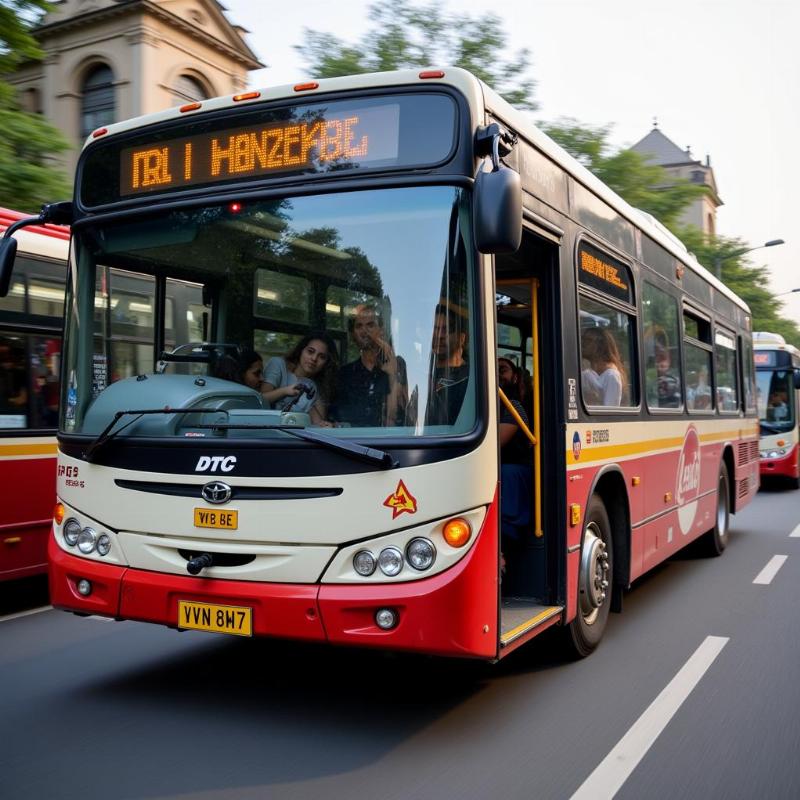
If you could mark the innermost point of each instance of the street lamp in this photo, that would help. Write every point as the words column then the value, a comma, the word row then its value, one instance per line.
column 791, row 291
column 736, row 253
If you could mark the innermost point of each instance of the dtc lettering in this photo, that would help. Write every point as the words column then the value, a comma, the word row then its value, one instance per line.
column 215, row 463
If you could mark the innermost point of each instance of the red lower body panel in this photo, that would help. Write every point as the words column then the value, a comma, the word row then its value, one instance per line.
column 453, row 613
column 786, row 467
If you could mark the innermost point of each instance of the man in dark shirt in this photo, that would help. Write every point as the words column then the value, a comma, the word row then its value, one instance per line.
column 370, row 391
column 451, row 370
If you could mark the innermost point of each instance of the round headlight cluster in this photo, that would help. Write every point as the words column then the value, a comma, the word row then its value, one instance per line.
column 87, row 540
column 420, row 555
column 773, row 453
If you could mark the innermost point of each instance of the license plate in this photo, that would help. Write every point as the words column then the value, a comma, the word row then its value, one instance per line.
column 237, row 620
column 216, row 518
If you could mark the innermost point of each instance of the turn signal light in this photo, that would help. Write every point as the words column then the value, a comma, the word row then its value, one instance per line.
column 58, row 513
column 457, row 532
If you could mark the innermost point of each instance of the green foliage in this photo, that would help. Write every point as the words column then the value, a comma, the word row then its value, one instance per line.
column 27, row 175
column 748, row 281
column 645, row 186
column 407, row 36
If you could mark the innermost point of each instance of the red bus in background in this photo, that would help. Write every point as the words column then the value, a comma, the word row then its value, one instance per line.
column 31, row 321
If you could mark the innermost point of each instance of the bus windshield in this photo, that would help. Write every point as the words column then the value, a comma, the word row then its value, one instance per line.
column 365, row 299
column 775, row 400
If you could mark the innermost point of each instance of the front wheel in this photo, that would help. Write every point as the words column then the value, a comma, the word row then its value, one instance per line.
column 594, row 582
column 716, row 540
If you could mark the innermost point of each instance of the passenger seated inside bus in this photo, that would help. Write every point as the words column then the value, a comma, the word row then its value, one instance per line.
column 247, row 368
column 303, row 379
column 516, row 465
column 604, row 376
column 663, row 385
column 372, row 390
column 777, row 406
column 698, row 390
column 451, row 369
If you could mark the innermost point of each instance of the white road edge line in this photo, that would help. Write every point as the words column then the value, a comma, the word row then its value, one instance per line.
column 795, row 534
column 26, row 613
column 616, row 767
column 771, row 570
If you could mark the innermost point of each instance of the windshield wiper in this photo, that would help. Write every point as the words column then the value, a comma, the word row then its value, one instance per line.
column 108, row 433
column 772, row 428
column 357, row 451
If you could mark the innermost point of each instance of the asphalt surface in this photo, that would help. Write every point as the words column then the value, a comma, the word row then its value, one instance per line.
column 98, row 709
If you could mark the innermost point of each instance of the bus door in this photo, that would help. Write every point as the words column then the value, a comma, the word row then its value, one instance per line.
column 525, row 284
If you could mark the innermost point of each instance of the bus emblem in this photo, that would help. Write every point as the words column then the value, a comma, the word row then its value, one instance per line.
column 216, row 492
column 401, row 501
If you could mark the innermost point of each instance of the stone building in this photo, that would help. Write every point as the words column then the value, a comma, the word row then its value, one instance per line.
column 658, row 149
column 107, row 60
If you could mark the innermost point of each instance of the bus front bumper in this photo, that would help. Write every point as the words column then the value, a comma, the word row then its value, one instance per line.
column 453, row 613
column 786, row 466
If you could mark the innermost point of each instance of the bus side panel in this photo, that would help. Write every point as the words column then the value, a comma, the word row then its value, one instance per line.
column 454, row 613
column 25, row 514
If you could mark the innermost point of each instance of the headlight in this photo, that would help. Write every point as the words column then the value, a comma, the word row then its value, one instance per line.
column 390, row 561
column 87, row 541
column 773, row 454
column 103, row 544
column 364, row 563
column 72, row 529
column 421, row 554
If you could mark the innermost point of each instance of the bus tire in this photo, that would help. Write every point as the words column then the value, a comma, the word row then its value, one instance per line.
column 594, row 582
column 716, row 540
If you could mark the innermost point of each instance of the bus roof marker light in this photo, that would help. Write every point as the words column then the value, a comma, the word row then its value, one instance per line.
column 99, row 132
column 190, row 107
column 237, row 98
column 306, row 87
column 431, row 73
column 456, row 532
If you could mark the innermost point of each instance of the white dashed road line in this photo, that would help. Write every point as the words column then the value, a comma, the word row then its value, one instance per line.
column 795, row 534
column 768, row 573
column 26, row 613
column 617, row 766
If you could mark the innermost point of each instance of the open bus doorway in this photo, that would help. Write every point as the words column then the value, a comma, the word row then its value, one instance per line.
column 526, row 294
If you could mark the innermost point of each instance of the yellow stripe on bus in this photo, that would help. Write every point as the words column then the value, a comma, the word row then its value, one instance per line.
column 10, row 450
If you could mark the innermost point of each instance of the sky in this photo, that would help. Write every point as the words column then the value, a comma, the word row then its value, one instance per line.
column 721, row 76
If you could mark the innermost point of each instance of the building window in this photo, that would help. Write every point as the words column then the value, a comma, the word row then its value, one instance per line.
column 98, row 107
column 187, row 89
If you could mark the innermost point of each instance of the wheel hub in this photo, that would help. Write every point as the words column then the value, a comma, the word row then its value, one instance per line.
column 594, row 573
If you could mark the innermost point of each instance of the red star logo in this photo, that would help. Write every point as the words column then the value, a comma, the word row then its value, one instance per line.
column 402, row 500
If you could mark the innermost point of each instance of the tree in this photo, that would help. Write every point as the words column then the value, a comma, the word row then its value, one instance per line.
column 405, row 36
column 645, row 186
column 748, row 281
column 28, row 176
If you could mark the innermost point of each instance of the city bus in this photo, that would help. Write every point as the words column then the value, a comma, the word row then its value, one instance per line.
column 31, row 319
column 777, row 381
column 379, row 241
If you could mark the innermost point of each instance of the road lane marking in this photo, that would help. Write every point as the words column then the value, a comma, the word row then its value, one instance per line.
column 26, row 613
column 795, row 534
column 616, row 767
column 768, row 573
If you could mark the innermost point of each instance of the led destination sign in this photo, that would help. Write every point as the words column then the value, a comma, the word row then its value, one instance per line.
column 364, row 136
column 600, row 271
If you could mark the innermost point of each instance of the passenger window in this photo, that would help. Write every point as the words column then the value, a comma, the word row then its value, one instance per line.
column 727, row 384
column 662, row 375
column 697, row 351
column 606, row 355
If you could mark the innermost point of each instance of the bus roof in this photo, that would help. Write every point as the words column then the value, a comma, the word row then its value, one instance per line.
column 51, row 241
column 478, row 95
column 763, row 340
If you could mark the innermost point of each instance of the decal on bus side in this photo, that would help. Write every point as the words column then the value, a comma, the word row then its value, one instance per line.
column 687, row 480
column 214, row 463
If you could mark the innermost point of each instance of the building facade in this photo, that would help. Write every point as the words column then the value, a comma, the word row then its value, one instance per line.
column 657, row 149
column 107, row 60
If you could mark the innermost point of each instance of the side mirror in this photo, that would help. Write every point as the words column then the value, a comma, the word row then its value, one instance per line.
column 797, row 379
column 8, row 251
column 497, row 210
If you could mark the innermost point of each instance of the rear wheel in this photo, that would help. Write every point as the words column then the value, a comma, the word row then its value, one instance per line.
column 716, row 540
column 594, row 582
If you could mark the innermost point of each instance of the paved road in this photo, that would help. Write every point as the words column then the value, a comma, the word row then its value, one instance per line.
column 694, row 693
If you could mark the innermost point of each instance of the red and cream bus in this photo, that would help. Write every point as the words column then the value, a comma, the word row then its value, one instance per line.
column 410, row 227
column 777, row 381
column 31, row 319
